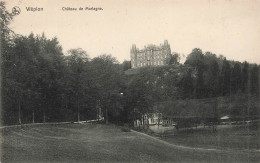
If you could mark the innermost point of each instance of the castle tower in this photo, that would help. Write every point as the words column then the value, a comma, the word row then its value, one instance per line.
column 168, row 48
column 165, row 42
column 133, row 56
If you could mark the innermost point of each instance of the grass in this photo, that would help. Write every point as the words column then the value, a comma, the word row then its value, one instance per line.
column 227, row 137
column 103, row 143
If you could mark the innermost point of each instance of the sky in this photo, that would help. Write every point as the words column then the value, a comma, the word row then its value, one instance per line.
column 227, row 27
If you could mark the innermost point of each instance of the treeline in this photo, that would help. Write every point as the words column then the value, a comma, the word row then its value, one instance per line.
column 217, row 76
column 41, row 84
column 203, row 75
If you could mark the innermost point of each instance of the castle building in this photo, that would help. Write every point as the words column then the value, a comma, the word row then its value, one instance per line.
column 150, row 56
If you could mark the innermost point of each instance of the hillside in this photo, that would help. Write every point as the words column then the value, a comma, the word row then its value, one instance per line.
column 238, row 107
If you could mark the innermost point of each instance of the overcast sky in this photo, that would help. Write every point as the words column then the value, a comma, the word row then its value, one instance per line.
column 230, row 28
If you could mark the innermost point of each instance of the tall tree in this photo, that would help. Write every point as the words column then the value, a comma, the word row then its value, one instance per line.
column 236, row 78
column 225, row 78
column 139, row 95
column 245, row 77
column 5, row 56
column 187, row 84
column 254, row 80
column 106, row 82
column 196, row 59
column 77, row 61
column 211, row 75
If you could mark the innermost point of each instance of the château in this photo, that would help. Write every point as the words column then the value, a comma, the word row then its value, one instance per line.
column 151, row 55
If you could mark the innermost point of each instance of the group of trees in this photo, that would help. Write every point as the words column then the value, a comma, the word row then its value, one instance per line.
column 41, row 84
column 217, row 76
column 202, row 76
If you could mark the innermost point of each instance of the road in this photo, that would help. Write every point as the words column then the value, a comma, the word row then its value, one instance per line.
column 102, row 143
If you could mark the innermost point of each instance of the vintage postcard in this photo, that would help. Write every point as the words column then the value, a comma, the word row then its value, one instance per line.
column 130, row 81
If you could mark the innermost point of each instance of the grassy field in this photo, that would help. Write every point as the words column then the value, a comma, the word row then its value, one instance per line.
column 105, row 143
column 227, row 137
column 244, row 137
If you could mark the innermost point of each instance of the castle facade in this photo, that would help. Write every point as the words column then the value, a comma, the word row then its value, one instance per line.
column 150, row 56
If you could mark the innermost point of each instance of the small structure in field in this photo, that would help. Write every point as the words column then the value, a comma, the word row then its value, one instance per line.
column 225, row 119
column 149, row 119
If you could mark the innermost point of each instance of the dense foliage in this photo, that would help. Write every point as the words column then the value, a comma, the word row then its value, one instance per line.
column 41, row 84
column 197, row 88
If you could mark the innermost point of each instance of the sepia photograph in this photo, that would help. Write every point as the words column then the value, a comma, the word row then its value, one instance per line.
column 129, row 81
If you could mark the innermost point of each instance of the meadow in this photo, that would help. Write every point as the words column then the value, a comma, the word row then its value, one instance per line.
column 109, row 143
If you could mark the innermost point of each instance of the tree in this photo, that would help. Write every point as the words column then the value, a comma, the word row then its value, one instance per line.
column 35, row 77
column 106, row 83
column 254, row 80
column 245, row 77
column 174, row 59
column 5, row 44
column 77, row 61
column 225, row 78
column 187, row 84
column 6, row 33
column 211, row 75
column 50, row 78
column 236, row 78
column 126, row 65
column 196, row 59
column 138, row 100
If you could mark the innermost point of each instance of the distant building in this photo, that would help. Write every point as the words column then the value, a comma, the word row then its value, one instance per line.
column 168, row 122
column 149, row 119
column 150, row 56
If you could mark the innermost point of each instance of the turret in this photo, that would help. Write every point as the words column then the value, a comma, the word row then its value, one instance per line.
column 133, row 56
column 165, row 42
column 133, row 50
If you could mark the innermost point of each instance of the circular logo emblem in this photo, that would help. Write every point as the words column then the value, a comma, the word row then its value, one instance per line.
column 16, row 10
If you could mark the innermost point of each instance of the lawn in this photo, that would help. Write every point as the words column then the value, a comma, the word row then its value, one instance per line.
column 104, row 143
column 227, row 137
